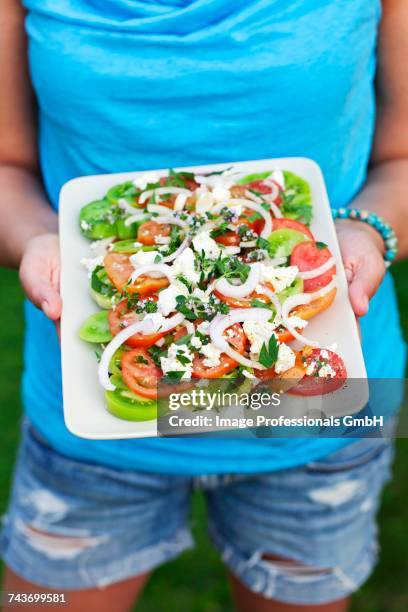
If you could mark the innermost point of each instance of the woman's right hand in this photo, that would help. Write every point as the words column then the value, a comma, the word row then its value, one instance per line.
column 40, row 274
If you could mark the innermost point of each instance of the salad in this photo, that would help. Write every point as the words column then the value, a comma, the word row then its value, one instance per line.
column 206, row 276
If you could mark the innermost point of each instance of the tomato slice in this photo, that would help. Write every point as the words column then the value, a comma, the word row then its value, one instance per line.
column 150, row 230
column 307, row 311
column 229, row 239
column 238, row 341
column 292, row 224
column 118, row 268
column 241, row 302
column 313, row 384
column 121, row 317
column 140, row 373
column 308, row 256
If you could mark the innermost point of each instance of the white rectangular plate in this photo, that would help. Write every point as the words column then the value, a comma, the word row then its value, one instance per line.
column 84, row 409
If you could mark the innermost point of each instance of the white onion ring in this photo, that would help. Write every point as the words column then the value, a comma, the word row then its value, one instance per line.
column 160, row 268
column 159, row 209
column 124, row 205
column 171, row 221
column 145, row 327
column 240, row 291
column 289, row 304
column 274, row 300
column 189, row 327
column 138, row 217
column 324, row 290
column 269, row 198
column 274, row 187
column 307, row 274
column 239, row 315
column 178, row 251
column 253, row 206
column 162, row 191
column 277, row 261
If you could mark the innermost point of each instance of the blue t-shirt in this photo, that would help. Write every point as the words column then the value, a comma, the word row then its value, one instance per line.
column 138, row 84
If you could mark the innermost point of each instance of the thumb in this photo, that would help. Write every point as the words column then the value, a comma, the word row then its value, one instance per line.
column 363, row 284
column 46, row 297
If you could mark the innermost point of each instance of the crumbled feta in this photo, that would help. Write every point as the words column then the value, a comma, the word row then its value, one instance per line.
column 326, row 371
column 171, row 363
column 156, row 318
column 279, row 277
column 100, row 247
column 297, row 322
column 185, row 265
column 258, row 333
column 231, row 250
column 286, row 358
column 311, row 368
column 204, row 201
column 324, row 354
column 144, row 179
column 144, row 257
column 196, row 342
column 221, row 193
column 212, row 355
column 201, row 295
column 85, row 225
column 204, row 242
column 167, row 297
column 90, row 264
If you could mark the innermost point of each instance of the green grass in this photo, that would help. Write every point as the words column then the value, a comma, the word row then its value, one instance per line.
column 196, row 582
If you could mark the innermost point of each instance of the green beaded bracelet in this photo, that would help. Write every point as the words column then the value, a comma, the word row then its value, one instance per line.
column 383, row 228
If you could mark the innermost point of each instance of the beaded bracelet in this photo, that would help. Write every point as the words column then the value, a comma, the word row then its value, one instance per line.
column 384, row 229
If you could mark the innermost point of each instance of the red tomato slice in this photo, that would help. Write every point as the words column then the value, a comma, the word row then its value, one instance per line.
column 150, row 230
column 228, row 239
column 316, row 385
column 121, row 317
column 237, row 339
column 146, row 285
column 140, row 373
column 307, row 256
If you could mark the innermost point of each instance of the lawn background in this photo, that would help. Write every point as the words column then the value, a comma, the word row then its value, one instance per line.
column 196, row 581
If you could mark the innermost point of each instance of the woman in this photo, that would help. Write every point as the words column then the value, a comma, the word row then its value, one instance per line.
column 124, row 85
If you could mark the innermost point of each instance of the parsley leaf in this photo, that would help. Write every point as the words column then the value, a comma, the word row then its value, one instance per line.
column 269, row 354
column 321, row 245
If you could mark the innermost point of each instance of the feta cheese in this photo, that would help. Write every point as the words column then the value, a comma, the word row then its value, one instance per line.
column 171, row 363
column 326, row 371
column 286, row 358
column 212, row 355
column 201, row 295
column 90, row 264
column 185, row 265
column 204, row 201
column 144, row 179
column 297, row 322
column 100, row 247
column 196, row 342
column 231, row 250
column 143, row 257
column 156, row 318
column 85, row 225
column 204, row 242
column 279, row 277
column 258, row 333
column 324, row 354
column 311, row 368
column 167, row 298
column 221, row 193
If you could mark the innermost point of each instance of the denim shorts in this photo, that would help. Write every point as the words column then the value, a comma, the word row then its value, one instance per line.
column 74, row 525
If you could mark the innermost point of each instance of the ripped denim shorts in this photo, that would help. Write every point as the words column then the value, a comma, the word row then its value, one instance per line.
column 73, row 525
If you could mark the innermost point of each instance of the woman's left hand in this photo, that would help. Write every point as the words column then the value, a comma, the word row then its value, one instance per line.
column 362, row 250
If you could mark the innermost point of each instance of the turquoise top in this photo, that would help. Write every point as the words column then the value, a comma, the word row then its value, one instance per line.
column 139, row 84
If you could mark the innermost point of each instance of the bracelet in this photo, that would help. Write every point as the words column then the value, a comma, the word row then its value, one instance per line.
column 383, row 228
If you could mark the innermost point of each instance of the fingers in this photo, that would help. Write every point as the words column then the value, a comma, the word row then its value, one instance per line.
column 364, row 282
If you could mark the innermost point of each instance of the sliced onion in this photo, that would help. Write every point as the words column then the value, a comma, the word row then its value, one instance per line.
column 324, row 290
column 189, row 327
column 144, row 327
column 178, row 251
column 162, row 191
column 239, row 315
column 124, row 205
column 135, row 218
column 240, row 291
column 253, row 206
column 274, row 300
column 289, row 304
column 277, row 261
column 269, row 198
column 274, row 187
column 276, row 210
column 307, row 274
column 171, row 221
column 160, row 268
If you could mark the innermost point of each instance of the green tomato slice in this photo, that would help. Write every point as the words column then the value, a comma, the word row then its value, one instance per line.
column 125, row 246
column 96, row 328
column 283, row 241
column 295, row 288
column 97, row 221
column 126, row 190
column 128, row 406
column 124, row 231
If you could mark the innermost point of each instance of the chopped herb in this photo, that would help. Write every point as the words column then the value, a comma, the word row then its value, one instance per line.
column 141, row 359
column 321, row 245
column 269, row 354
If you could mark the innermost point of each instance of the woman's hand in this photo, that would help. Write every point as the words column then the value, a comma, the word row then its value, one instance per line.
column 362, row 250
column 40, row 274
